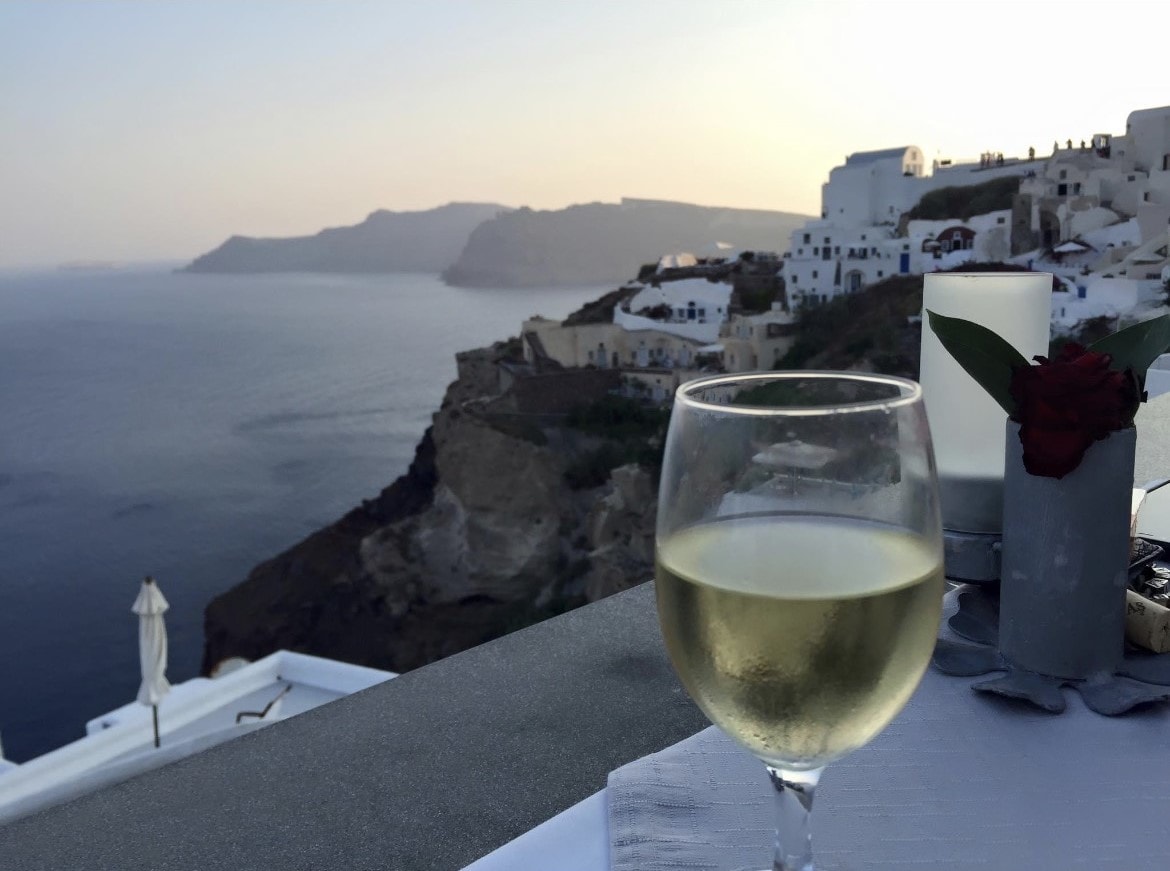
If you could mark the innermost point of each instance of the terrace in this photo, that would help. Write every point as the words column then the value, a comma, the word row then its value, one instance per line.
column 433, row 769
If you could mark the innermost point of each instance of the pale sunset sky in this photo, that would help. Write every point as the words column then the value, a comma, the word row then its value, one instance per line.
column 154, row 130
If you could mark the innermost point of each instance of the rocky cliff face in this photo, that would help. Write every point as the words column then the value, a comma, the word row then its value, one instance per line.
column 482, row 536
column 599, row 243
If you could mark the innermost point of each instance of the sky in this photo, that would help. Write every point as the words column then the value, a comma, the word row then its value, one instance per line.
column 135, row 131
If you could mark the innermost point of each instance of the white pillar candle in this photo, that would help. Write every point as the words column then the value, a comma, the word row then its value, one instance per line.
column 966, row 425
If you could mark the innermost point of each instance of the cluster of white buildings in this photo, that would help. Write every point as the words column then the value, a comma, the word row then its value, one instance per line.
column 1094, row 213
column 664, row 335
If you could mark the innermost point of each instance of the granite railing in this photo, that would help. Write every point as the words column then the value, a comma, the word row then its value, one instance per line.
column 428, row 771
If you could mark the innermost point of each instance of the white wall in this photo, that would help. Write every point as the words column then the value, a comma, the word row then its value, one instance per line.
column 702, row 332
column 1149, row 133
column 713, row 297
column 1103, row 296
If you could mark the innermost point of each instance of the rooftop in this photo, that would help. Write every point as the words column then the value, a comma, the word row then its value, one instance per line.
column 861, row 158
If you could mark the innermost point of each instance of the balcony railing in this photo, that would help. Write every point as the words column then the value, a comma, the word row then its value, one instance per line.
column 428, row 771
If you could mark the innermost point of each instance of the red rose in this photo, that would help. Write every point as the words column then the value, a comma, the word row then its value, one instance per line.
column 1065, row 404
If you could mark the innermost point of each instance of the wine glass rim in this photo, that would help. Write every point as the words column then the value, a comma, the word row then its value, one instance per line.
column 911, row 393
column 1014, row 276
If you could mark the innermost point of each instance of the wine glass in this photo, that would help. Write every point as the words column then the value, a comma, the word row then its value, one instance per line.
column 799, row 567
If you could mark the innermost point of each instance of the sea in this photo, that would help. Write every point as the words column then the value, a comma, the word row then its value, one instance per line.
column 189, row 427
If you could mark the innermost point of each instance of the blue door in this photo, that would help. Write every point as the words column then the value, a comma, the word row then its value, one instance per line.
column 904, row 262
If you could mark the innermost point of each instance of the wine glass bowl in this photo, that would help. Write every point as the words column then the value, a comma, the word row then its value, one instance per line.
column 799, row 566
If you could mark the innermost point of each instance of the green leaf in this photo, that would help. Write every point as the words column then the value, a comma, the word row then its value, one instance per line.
column 1137, row 346
column 983, row 355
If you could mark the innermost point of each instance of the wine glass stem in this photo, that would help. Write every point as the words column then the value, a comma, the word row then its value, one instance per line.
column 794, row 791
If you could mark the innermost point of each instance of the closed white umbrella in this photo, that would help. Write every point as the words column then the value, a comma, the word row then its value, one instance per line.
column 152, row 647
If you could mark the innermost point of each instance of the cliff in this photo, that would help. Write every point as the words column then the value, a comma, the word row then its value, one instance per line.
column 512, row 510
column 426, row 241
column 603, row 243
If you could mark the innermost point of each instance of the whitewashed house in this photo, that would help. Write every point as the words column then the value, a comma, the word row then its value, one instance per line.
column 1128, row 175
column 606, row 345
column 693, row 308
column 855, row 242
column 749, row 342
column 951, row 243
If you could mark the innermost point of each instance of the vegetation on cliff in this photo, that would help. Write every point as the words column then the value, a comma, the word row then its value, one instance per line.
column 876, row 329
column 630, row 433
column 967, row 200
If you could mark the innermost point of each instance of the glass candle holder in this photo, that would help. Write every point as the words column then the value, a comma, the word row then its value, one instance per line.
column 968, row 426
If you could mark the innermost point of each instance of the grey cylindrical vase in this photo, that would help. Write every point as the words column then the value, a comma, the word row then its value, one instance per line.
column 1065, row 560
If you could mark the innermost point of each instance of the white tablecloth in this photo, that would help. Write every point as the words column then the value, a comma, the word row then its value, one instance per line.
column 959, row 780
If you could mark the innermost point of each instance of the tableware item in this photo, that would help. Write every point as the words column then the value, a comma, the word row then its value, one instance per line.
column 799, row 566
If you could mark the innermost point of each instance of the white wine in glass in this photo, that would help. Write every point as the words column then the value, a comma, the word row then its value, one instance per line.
column 799, row 567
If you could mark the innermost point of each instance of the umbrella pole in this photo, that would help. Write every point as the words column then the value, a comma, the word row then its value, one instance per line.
column 154, row 708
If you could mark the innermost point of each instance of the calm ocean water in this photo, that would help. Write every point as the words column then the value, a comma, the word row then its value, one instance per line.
column 189, row 427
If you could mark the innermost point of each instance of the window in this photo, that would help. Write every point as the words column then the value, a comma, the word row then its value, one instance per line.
column 827, row 240
column 879, row 273
column 1076, row 187
column 1064, row 173
column 999, row 220
column 1062, row 190
column 799, row 252
column 814, row 275
column 862, row 237
column 808, row 237
column 702, row 313
column 816, row 252
column 826, row 253
column 837, row 250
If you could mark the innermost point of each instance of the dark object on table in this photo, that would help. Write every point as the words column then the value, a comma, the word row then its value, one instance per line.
column 1142, row 677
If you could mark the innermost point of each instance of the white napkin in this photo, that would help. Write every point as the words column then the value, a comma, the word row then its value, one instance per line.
column 703, row 803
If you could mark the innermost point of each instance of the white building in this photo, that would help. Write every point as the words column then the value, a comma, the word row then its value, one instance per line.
column 693, row 308
column 1111, row 193
column 855, row 242
column 947, row 244
column 1128, row 175
column 750, row 342
column 607, row 345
